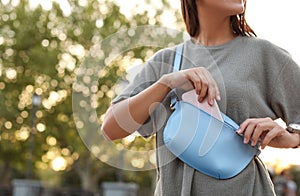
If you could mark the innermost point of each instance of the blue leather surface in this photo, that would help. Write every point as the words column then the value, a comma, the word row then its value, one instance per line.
column 205, row 143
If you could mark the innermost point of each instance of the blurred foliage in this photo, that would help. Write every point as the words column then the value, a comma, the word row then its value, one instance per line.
column 40, row 52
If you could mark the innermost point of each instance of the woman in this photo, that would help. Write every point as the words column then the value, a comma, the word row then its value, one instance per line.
column 253, row 81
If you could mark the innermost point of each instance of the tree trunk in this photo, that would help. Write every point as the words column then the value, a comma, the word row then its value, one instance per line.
column 90, row 170
column 5, row 174
column 88, row 182
column 86, row 174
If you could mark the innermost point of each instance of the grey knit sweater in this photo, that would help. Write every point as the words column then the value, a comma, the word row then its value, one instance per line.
column 256, row 79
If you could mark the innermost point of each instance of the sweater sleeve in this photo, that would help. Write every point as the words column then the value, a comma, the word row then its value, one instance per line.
column 150, row 72
column 285, row 97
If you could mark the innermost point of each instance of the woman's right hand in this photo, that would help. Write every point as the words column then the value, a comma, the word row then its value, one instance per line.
column 128, row 115
column 194, row 78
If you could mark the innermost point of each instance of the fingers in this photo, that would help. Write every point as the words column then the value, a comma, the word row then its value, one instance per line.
column 204, row 84
column 213, row 92
column 254, row 128
column 274, row 133
column 198, row 78
column 264, row 129
column 201, row 84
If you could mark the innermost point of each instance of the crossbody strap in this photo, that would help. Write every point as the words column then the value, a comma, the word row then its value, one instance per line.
column 177, row 59
column 176, row 67
column 188, row 172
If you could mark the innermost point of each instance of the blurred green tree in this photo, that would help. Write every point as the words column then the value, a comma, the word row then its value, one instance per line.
column 40, row 52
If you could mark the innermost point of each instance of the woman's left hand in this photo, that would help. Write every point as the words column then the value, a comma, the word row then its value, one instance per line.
column 268, row 132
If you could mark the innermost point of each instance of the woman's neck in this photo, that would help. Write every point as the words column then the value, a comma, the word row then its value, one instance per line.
column 215, row 28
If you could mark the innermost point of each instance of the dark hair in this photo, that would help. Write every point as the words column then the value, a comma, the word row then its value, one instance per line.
column 190, row 17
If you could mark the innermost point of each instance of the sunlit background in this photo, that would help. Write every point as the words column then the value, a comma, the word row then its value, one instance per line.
column 273, row 20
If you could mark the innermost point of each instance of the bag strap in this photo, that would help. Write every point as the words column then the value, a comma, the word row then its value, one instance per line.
column 177, row 59
column 188, row 172
column 176, row 67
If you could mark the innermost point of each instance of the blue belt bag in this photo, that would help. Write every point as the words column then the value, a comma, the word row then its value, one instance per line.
column 203, row 142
